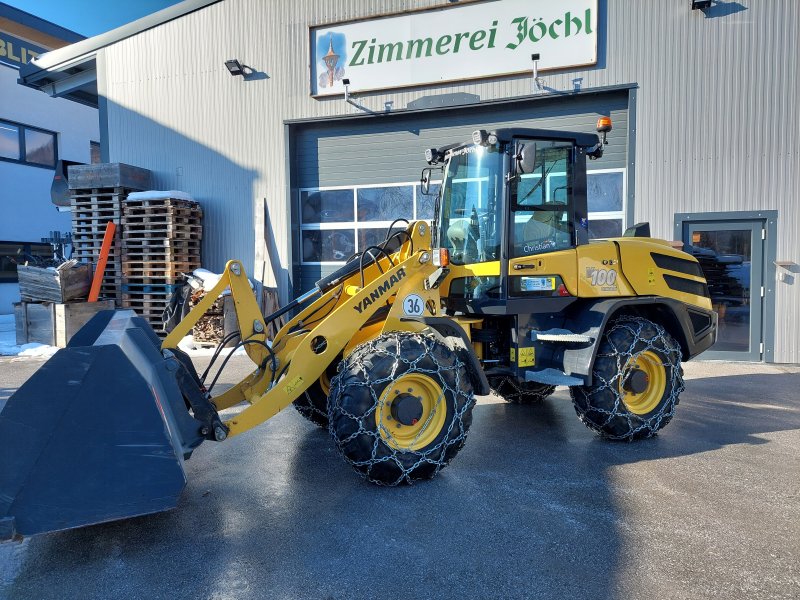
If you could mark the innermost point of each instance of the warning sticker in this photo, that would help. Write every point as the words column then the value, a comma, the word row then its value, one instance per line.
column 295, row 383
column 526, row 357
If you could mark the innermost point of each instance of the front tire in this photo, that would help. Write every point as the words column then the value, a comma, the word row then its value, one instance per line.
column 400, row 408
column 519, row 392
column 636, row 381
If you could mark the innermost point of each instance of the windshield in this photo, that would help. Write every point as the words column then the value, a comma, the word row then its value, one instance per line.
column 471, row 195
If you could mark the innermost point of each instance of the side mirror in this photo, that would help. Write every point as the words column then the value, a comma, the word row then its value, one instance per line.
column 425, row 181
column 526, row 157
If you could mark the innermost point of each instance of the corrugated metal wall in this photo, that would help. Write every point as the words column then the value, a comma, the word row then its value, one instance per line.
column 716, row 116
column 392, row 150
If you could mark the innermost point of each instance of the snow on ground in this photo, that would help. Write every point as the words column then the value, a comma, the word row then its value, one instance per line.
column 8, row 341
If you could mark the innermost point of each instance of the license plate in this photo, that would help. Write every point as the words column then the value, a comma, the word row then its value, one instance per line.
column 538, row 284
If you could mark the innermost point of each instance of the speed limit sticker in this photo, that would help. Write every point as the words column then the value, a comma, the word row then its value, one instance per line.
column 413, row 305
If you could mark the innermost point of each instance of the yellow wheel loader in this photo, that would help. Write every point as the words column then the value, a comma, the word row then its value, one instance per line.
column 504, row 291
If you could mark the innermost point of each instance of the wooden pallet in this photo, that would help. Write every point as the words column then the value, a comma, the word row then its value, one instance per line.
column 92, row 209
column 135, row 269
column 172, row 231
column 156, row 221
column 160, row 242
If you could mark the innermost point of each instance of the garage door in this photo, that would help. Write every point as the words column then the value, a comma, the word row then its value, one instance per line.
column 352, row 178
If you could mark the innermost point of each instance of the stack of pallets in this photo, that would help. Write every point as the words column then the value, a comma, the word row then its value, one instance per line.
column 160, row 241
column 97, row 194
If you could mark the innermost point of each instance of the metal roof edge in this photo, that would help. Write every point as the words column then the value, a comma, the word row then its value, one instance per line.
column 88, row 47
column 27, row 19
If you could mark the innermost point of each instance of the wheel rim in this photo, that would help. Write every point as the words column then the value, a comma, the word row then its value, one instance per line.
column 427, row 428
column 645, row 401
column 325, row 383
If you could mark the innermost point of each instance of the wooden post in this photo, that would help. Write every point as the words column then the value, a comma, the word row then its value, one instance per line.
column 108, row 238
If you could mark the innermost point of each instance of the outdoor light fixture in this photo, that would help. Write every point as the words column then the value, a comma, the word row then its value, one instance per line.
column 700, row 4
column 537, row 81
column 235, row 67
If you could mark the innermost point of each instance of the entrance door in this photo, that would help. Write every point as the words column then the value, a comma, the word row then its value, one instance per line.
column 731, row 254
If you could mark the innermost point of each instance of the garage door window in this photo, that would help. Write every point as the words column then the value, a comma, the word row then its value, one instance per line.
column 605, row 191
column 337, row 222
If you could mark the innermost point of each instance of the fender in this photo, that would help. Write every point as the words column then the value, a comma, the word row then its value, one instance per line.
column 454, row 337
column 694, row 328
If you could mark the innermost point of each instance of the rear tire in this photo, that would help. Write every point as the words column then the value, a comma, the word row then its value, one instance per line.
column 519, row 392
column 632, row 349
column 376, row 386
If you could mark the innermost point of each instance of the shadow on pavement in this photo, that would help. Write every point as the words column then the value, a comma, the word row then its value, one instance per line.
column 531, row 507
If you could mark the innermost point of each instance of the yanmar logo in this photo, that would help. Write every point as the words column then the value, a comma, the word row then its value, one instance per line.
column 380, row 290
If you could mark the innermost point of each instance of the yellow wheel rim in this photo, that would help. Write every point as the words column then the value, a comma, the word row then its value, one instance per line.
column 325, row 383
column 427, row 427
column 653, row 368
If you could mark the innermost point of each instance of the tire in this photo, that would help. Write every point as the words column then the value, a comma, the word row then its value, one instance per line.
column 313, row 403
column 631, row 346
column 519, row 392
column 384, row 375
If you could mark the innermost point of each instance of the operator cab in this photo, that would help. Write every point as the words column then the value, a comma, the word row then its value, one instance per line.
column 508, row 194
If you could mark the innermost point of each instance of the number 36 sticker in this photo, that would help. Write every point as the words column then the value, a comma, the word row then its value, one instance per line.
column 413, row 305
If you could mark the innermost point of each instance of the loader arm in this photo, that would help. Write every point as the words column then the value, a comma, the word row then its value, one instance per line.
column 304, row 348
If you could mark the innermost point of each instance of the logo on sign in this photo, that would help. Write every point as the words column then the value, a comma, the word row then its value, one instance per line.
column 332, row 57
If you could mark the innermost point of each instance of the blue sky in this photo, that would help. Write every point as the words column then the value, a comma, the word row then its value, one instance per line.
column 90, row 17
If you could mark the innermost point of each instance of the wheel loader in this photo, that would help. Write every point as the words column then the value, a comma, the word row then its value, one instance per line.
column 503, row 292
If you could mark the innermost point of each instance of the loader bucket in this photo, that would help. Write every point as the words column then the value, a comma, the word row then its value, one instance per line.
column 98, row 433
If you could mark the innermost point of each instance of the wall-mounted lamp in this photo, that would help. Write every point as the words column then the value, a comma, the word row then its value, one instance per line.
column 538, row 82
column 700, row 4
column 346, row 83
column 235, row 67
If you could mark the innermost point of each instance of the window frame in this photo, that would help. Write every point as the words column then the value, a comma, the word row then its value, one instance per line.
column 21, row 129
column 355, row 225
column 622, row 213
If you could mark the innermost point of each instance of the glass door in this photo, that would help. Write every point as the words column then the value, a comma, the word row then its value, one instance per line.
column 731, row 254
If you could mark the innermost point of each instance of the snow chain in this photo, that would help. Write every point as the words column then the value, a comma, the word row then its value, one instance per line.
column 662, row 344
column 450, row 377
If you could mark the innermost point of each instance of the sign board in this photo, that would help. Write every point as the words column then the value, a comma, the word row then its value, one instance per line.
column 15, row 52
column 472, row 41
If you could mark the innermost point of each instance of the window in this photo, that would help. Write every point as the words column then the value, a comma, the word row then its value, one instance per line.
column 471, row 210
column 605, row 190
column 337, row 222
column 27, row 145
column 14, row 253
column 542, row 207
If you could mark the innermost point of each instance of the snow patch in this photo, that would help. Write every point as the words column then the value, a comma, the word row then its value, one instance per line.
column 8, row 341
column 160, row 195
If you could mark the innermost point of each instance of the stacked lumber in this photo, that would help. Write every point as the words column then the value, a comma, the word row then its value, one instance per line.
column 210, row 328
column 97, row 195
column 160, row 242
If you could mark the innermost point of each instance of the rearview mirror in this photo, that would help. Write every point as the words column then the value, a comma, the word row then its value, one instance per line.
column 526, row 157
column 425, row 181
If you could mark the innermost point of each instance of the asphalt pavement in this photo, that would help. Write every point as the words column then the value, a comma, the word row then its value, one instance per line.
column 534, row 506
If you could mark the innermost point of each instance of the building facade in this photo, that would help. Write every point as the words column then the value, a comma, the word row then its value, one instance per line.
column 35, row 132
column 295, row 173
